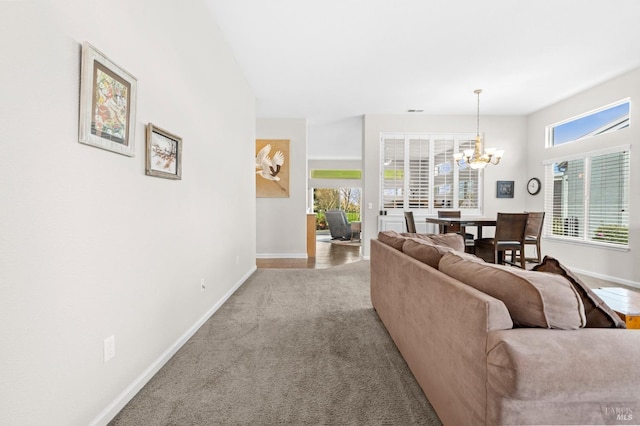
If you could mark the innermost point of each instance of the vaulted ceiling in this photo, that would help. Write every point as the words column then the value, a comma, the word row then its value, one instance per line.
column 332, row 59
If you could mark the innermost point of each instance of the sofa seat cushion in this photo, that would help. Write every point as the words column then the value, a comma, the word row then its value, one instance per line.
column 597, row 312
column 556, row 365
column 534, row 299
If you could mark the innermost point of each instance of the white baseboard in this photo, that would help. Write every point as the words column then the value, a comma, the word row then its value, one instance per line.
column 606, row 277
column 121, row 400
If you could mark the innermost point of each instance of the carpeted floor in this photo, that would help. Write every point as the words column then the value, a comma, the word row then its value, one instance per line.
column 291, row 346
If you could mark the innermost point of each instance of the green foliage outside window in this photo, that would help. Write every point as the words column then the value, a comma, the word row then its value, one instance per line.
column 347, row 199
column 614, row 234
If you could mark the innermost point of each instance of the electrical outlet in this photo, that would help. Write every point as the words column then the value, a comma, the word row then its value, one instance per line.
column 109, row 348
column 370, row 205
column 237, row 260
column 202, row 286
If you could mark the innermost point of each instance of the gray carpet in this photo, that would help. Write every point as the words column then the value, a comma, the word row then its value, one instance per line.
column 291, row 346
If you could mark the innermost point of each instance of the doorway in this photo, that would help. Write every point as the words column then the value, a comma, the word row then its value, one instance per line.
column 347, row 199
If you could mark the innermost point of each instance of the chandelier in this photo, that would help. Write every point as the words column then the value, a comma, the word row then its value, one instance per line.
column 475, row 158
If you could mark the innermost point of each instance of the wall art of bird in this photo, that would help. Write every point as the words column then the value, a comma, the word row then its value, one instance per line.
column 269, row 167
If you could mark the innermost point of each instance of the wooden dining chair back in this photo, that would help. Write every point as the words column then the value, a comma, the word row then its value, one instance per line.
column 448, row 214
column 509, row 237
column 533, row 233
column 410, row 222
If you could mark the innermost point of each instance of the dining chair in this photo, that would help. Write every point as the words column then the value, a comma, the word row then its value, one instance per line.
column 509, row 237
column 533, row 233
column 410, row 222
column 468, row 238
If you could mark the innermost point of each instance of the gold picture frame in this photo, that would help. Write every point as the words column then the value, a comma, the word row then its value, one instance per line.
column 107, row 103
column 164, row 153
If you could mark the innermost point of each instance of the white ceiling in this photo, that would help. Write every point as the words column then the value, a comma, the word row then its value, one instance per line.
column 332, row 59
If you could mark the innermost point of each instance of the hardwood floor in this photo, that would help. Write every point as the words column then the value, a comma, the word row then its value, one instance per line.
column 328, row 254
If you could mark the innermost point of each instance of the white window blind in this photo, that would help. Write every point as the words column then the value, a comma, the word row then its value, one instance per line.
column 587, row 197
column 468, row 180
column 419, row 173
column 443, row 173
column 418, row 182
column 393, row 173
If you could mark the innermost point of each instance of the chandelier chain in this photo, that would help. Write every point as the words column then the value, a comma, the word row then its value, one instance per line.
column 477, row 92
column 478, row 158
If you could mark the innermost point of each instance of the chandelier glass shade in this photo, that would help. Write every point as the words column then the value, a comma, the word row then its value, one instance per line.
column 477, row 158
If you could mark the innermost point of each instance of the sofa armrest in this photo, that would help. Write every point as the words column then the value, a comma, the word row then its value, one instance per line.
column 440, row 327
column 587, row 374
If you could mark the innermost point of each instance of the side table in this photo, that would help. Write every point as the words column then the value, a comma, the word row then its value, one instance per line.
column 356, row 229
column 626, row 303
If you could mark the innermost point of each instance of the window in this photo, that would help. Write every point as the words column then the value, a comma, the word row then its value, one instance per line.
column 419, row 173
column 604, row 120
column 587, row 197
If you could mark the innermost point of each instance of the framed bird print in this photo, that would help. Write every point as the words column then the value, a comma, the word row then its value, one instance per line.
column 272, row 168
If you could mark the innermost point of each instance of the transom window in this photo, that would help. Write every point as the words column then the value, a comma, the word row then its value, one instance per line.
column 587, row 197
column 419, row 173
column 603, row 120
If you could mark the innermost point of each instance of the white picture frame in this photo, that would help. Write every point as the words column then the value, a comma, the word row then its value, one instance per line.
column 107, row 103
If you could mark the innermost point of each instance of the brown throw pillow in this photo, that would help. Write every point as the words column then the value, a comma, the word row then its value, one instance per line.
column 598, row 313
column 534, row 299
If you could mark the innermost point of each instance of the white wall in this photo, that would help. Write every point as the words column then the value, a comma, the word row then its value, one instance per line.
column 336, row 139
column 91, row 247
column 615, row 265
column 281, row 222
column 503, row 132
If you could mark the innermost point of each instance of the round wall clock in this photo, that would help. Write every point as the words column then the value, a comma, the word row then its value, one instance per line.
column 533, row 186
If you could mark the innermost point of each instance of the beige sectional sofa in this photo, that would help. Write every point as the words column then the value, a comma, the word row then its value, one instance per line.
column 493, row 345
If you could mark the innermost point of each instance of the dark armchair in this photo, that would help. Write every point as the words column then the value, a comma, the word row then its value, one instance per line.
column 339, row 226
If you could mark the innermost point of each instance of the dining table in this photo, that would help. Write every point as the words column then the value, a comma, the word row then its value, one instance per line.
column 463, row 222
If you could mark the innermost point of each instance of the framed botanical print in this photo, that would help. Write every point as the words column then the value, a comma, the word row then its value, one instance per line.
column 107, row 103
column 164, row 153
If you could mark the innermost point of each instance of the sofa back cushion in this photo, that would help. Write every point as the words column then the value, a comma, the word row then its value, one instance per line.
column 392, row 238
column 534, row 299
column 450, row 239
column 597, row 312
column 396, row 240
column 426, row 251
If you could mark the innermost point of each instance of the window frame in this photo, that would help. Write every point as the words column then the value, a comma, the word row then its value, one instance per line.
column 549, row 130
column 431, row 209
column 550, row 181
